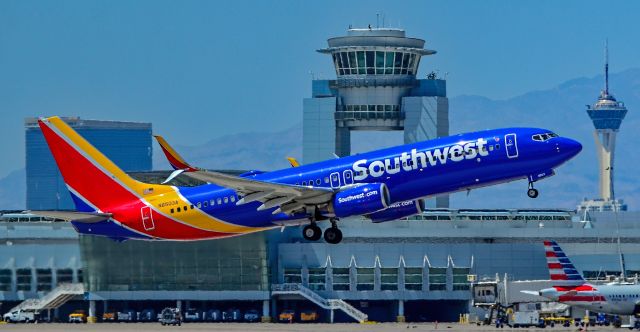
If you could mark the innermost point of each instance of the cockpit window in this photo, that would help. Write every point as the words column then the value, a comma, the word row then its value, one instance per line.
column 543, row 137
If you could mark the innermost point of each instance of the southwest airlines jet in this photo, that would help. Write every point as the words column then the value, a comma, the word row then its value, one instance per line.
column 615, row 298
column 382, row 185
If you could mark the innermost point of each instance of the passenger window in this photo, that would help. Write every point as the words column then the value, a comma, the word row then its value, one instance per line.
column 304, row 183
column 199, row 205
column 318, row 182
column 497, row 146
column 206, row 203
column 178, row 209
column 226, row 199
column 490, row 147
column 191, row 206
column 171, row 210
column 185, row 208
column 219, row 200
column 233, row 198
column 326, row 180
column 213, row 202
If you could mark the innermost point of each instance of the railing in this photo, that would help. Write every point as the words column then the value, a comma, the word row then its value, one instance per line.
column 314, row 297
column 349, row 310
column 54, row 299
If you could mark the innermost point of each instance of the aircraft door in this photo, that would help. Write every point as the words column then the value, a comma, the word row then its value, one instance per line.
column 348, row 177
column 147, row 218
column 511, row 145
column 335, row 180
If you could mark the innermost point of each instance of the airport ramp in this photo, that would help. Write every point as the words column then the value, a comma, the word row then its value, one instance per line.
column 54, row 299
column 331, row 304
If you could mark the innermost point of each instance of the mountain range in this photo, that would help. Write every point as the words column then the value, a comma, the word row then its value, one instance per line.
column 561, row 109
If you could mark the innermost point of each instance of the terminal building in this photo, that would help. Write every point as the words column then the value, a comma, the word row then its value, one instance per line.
column 420, row 268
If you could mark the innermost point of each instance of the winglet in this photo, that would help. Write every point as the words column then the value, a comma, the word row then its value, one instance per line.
column 176, row 161
column 293, row 162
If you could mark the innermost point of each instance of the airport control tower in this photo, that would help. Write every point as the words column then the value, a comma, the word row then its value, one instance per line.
column 607, row 115
column 376, row 89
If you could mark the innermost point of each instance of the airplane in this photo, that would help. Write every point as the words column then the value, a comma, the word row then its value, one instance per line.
column 616, row 298
column 382, row 185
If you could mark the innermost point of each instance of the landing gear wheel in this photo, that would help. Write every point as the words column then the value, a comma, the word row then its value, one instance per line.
column 333, row 235
column 532, row 192
column 312, row 232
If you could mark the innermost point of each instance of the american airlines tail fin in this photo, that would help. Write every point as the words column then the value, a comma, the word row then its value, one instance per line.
column 561, row 269
column 95, row 182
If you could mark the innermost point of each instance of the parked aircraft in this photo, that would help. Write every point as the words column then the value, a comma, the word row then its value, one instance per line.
column 617, row 298
column 382, row 185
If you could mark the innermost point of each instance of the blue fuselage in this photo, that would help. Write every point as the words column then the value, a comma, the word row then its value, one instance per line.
column 410, row 172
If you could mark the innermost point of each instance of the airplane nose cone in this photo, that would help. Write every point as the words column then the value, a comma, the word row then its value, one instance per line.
column 569, row 148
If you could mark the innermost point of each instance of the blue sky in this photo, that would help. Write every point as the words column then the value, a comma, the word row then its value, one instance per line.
column 202, row 69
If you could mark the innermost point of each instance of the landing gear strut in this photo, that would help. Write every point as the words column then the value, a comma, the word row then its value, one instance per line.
column 312, row 232
column 532, row 192
column 333, row 234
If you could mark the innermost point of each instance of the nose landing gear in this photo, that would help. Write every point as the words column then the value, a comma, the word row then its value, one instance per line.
column 532, row 192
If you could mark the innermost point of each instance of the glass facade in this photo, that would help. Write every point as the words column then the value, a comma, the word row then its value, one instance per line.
column 127, row 144
column 413, row 278
column 341, row 281
column 437, row 278
column 317, row 278
column 375, row 63
column 233, row 264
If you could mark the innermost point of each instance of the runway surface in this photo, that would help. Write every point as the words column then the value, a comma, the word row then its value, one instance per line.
column 236, row 327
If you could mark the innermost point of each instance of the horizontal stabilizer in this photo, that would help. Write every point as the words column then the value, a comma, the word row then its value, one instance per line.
column 86, row 217
column 530, row 292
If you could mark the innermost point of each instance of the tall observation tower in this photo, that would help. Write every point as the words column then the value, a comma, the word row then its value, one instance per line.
column 607, row 114
column 376, row 89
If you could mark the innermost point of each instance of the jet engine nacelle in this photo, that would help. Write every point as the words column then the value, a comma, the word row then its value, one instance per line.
column 397, row 211
column 360, row 200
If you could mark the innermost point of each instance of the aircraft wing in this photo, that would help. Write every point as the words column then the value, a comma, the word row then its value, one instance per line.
column 86, row 217
column 287, row 197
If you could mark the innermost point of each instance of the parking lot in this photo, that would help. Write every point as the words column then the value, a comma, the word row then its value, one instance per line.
column 137, row 327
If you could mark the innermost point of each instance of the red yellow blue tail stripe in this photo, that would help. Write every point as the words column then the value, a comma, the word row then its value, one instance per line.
column 106, row 187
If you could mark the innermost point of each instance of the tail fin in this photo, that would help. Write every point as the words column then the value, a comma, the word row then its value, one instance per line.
column 560, row 267
column 94, row 181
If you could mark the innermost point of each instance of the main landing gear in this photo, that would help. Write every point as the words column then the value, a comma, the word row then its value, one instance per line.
column 332, row 234
column 312, row 232
column 532, row 192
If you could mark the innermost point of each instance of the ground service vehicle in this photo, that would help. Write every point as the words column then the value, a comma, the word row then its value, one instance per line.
column 170, row 316
column 526, row 319
column 308, row 316
column 232, row 315
column 20, row 316
column 287, row 316
column 78, row 316
column 126, row 316
column 251, row 316
column 213, row 315
column 191, row 315
column 109, row 317
column 147, row 315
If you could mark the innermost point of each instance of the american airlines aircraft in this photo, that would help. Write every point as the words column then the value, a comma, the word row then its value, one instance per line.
column 617, row 298
column 382, row 185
